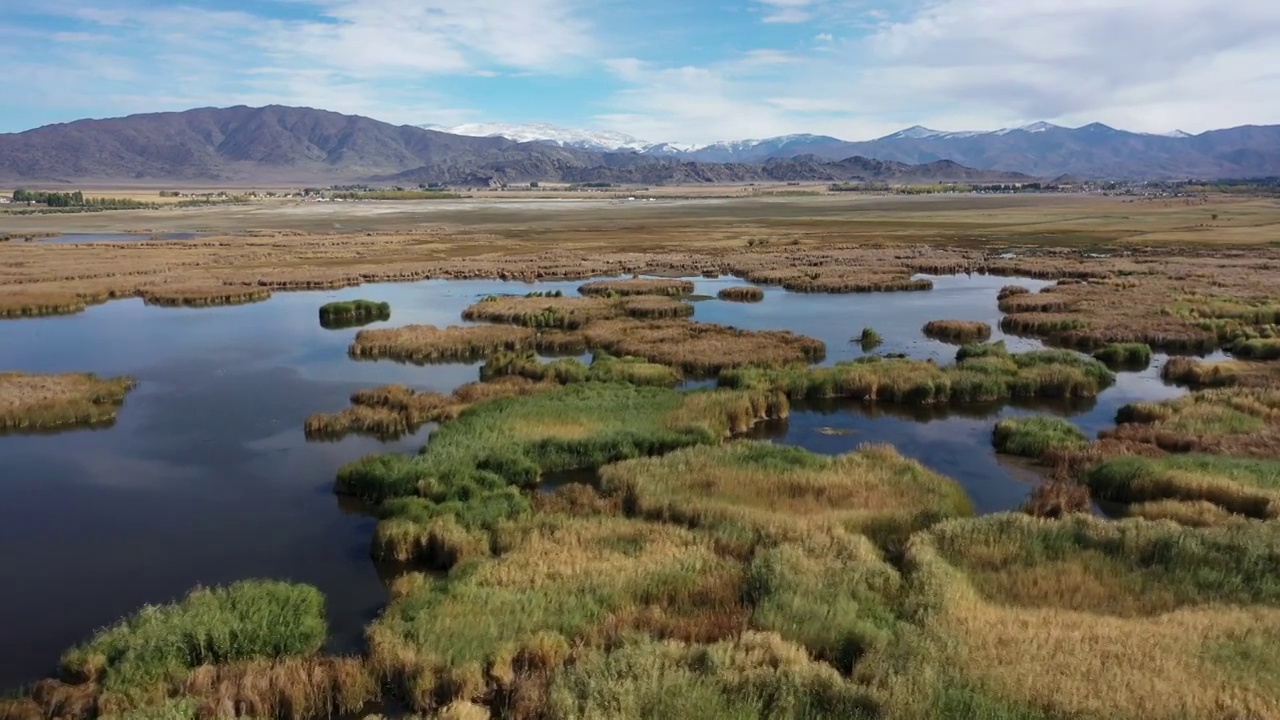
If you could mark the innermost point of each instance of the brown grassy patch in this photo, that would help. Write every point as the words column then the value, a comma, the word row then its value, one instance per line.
column 958, row 331
column 1230, row 421
column 291, row 689
column 637, row 286
column 565, row 313
column 652, row 307
column 429, row 344
column 782, row 491
column 208, row 295
column 701, row 348
column 1198, row 373
column 35, row 402
column 1058, row 497
column 393, row 411
column 741, row 293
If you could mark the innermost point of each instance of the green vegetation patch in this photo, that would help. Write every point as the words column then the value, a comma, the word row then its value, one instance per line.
column 1046, row 373
column 1036, row 437
column 1127, row 356
column 351, row 313
column 512, row 442
column 780, row 491
column 1125, row 568
column 1244, row 486
column 158, row 645
column 603, row 368
column 757, row 676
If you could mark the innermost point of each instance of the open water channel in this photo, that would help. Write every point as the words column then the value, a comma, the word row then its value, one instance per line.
column 206, row 477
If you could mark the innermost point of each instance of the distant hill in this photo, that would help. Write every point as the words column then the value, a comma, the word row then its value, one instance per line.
column 287, row 144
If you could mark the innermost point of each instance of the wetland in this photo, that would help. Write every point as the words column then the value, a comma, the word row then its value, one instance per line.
column 783, row 481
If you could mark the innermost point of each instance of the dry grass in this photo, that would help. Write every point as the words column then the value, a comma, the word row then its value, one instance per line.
column 638, row 286
column 210, row 295
column 701, row 348
column 828, row 279
column 741, row 293
column 1016, row 600
column 429, row 344
column 38, row 402
column 1227, row 421
column 574, row 313
column 1198, row 373
column 394, row 411
column 784, row 492
column 959, row 332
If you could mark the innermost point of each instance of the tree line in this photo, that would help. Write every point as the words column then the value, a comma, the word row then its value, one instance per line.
column 74, row 199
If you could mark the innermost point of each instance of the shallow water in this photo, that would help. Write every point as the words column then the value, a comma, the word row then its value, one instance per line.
column 206, row 478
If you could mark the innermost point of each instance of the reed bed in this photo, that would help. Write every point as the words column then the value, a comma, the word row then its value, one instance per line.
column 19, row 303
column 656, row 307
column 41, row 402
column 1198, row 373
column 205, row 295
column 1015, row 599
column 440, row 507
column 741, row 293
column 637, row 286
column 1049, row 373
column 784, row 492
column 423, row 344
column 1128, row 356
column 136, row 661
column 1028, row 302
column 1058, row 497
column 1039, row 437
column 394, row 411
column 1042, row 324
column 603, row 368
column 482, row 633
column 1227, row 421
column 1009, row 291
column 1257, row 349
column 701, row 349
column 1240, row 486
column 349, row 313
column 563, row 313
column 513, row 441
column 959, row 332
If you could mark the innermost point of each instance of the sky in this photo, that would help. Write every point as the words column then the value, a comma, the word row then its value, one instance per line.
column 693, row 71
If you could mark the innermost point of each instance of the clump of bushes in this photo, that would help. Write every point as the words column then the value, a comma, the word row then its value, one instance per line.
column 870, row 339
column 1037, row 437
column 140, row 657
column 741, row 293
column 350, row 313
column 1125, row 355
column 957, row 331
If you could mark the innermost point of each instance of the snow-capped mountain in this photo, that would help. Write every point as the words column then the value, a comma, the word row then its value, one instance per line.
column 1040, row 149
column 595, row 140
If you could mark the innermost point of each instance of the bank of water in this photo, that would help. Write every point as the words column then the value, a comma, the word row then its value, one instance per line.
column 206, row 477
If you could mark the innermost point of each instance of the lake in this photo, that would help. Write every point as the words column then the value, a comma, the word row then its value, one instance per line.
column 207, row 478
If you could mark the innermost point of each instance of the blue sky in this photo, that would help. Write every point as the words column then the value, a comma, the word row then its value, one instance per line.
column 662, row 70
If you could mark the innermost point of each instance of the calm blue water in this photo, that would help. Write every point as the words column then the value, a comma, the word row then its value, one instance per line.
column 206, row 478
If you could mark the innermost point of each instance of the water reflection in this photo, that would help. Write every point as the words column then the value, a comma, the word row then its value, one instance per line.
column 206, row 476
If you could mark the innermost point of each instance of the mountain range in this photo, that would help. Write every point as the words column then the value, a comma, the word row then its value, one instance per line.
column 277, row 144
column 1039, row 149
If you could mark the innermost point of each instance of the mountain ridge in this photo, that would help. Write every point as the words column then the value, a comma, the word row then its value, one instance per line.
column 277, row 143
column 1042, row 149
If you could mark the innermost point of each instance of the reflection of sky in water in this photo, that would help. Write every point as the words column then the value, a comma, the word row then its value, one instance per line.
column 207, row 477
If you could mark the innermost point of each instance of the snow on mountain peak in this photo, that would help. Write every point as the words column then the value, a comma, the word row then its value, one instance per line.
column 552, row 134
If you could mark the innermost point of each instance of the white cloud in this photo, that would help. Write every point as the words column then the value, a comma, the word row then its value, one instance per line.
column 1146, row 65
